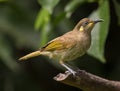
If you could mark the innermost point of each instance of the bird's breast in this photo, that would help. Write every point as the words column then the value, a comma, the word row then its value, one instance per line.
column 82, row 45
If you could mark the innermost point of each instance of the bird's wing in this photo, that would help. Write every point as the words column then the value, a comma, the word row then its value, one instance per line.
column 58, row 44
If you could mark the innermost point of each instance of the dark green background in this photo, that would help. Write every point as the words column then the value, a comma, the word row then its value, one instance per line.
column 19, row 20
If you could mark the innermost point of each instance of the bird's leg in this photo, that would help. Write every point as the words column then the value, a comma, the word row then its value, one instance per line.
column 68, row 68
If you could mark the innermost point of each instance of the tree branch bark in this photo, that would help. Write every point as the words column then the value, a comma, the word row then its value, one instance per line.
column 87, row 81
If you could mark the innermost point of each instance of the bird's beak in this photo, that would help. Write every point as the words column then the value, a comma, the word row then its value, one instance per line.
column 98, row 20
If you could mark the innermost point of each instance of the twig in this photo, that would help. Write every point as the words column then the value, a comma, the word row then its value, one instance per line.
column 87, row 81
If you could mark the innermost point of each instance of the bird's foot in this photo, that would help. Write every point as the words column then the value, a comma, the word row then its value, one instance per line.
column 72, row 72
column 69, row 69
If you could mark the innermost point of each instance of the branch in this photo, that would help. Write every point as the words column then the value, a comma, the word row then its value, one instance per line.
column 87, row 81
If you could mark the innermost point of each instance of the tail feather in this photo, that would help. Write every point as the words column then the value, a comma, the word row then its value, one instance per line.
column 33, row 54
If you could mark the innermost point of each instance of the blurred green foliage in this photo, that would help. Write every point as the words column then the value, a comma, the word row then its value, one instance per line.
column 100, row 31
column 51, row 18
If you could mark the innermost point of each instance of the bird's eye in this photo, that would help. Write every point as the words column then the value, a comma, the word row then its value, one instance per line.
column 85, row 23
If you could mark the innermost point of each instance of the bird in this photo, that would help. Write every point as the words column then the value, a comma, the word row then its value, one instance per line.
column 70, row 45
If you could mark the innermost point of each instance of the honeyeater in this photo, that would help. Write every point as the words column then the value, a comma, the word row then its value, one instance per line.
column 69, row 46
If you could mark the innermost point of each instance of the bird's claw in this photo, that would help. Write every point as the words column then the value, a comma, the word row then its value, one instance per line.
column 72, row 72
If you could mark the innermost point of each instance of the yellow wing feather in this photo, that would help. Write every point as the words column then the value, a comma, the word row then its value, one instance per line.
column 59, row 43
column 53, row 45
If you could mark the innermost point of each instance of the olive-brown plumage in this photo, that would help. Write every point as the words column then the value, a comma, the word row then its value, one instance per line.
column 69, row 46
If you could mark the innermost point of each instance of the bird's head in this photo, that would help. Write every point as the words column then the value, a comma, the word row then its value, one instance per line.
column 86, row 24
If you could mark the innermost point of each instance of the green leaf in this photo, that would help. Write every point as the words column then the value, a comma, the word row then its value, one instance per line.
column 117, row 9
column 42, row 19
column 42, row 22
column 72, row 6
column 100, row 31
column 48, row 4
column 44, row 34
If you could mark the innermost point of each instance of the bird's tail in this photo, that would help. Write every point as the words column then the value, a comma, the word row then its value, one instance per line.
column 33, row 54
